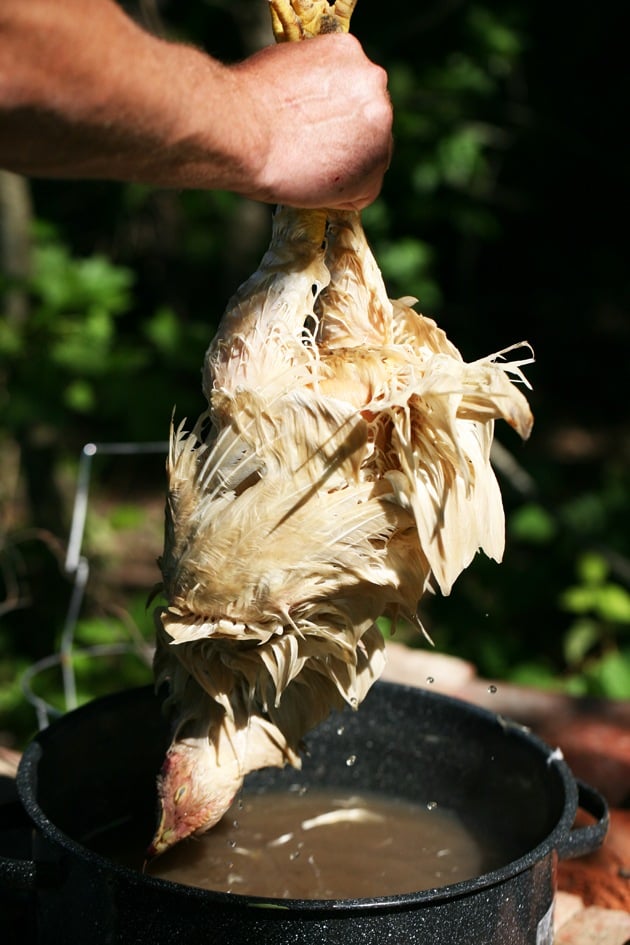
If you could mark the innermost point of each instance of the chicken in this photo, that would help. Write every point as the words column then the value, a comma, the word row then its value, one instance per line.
column 340, row 471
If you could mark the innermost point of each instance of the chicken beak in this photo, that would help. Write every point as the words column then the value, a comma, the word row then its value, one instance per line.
column 164, row 838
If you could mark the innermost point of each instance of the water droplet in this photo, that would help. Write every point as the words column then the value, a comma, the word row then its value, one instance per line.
column 232, row 843
column 294, row 855
column 303, row 790
column 431, row 805
column 240, row 803
column 341, row 730
column 235, row 824
column 354, row 701
column 430, row 680
column 492, row 690
column 350, row 760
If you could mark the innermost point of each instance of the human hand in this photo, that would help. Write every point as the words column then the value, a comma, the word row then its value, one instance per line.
column 320, row 122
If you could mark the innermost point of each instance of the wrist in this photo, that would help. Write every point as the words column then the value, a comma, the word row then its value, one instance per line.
column 222, row 131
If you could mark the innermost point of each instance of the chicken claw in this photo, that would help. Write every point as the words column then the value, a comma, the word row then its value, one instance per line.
column 339, row 471
column 294, row 20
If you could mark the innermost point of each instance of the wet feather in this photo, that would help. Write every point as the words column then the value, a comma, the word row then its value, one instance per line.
column 339, row 470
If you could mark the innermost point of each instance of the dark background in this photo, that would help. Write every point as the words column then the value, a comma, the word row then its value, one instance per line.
column 503, row 212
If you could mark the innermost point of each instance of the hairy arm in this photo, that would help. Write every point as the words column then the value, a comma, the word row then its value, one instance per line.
column 86, row 93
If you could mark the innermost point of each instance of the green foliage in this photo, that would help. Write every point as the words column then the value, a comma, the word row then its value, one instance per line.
column 56, row 358
column 92, row 288
column 110, row 653
column 96, row 672
column 531, row 523
column 75, row 357
column 556, row 613
column 449, row 137
column 610, row 675
column 408, row 262
column 495, row 213
column 596, row 643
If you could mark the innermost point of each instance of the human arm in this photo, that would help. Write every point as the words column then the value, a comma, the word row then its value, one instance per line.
column 87, row 93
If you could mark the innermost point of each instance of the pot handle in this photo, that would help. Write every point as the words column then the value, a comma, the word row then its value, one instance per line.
column 589, row 838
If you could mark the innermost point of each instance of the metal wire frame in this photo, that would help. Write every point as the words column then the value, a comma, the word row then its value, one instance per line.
column 77, row 567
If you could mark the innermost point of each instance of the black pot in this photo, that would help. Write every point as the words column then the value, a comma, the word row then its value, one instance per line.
column 93, row 772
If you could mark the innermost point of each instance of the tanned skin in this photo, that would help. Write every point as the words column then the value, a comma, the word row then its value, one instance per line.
column 87, row 93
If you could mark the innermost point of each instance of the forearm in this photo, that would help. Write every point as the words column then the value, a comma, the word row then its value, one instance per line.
column 85, row 92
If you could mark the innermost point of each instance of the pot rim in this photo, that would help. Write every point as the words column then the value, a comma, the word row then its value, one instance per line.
column 27, row 779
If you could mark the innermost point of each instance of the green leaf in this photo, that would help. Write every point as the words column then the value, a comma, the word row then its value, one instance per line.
column 463, row 75
column 79, row 396
column 612, row 674
column 11, row 339
column 609, row 602
column 581, row 637
column 499, row 38
column 613, row 603
column 533, row 674
column 533, row 524
column 460, row 155
column 578, row 600
column 163, row 329
column 592, row 568
column 407, row 263
column 65, row 283
column 82, row 344
column 405, row 259
column 100, row 281
column 126, row 516
column 97, row 630
column 425, row 177
column 576, row 686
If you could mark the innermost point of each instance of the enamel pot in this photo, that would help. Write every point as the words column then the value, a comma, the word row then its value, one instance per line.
column 91, row 775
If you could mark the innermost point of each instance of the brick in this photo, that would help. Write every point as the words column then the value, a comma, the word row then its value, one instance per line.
column 596, row 926
column 566, row 906
column 598, row 751
column 602, row 878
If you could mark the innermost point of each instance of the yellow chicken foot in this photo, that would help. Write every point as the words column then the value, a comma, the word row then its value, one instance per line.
column 339, row 471
column 293, row 20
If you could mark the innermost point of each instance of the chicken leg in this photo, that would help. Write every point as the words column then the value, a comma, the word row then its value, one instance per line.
column 340, row 470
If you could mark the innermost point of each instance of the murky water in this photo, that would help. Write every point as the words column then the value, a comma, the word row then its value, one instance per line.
column 324, row 844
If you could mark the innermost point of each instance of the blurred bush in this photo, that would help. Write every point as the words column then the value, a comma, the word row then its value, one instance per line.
column 498, row 213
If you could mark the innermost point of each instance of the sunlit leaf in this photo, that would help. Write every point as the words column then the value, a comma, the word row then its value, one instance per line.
column 579, row 639
column 532, row 523
column 592, row 569
column 612, row 674
column 613, row 603
column 578, row 600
